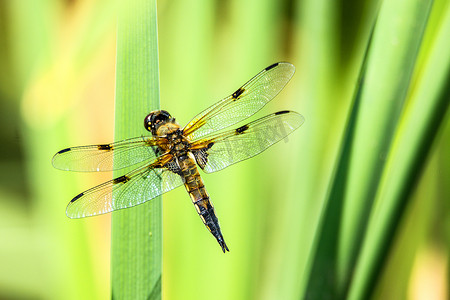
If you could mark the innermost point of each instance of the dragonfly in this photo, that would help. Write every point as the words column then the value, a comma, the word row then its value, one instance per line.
column 172, row 155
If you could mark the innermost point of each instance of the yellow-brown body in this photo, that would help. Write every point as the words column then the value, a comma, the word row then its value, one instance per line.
column 184, row 164
column 200, row 198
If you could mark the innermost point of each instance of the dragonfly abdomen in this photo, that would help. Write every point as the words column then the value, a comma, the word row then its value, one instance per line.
column 200, row 198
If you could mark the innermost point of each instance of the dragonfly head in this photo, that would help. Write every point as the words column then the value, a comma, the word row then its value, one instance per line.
column 154, row 120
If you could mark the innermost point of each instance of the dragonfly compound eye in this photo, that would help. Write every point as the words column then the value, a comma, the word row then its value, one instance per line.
column 155, row 119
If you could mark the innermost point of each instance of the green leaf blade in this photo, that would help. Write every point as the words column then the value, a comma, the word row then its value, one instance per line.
column 392, row 59
column 136, row 232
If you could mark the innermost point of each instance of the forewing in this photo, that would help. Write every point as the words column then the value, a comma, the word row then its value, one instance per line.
column 222, row 150
column 100, row 157
column 129, row 190
column 243, row 103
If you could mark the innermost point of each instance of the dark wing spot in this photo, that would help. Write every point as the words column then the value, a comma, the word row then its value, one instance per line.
column 281, row 112
column 76, row 197
column 63, row 150
column 271, row 66
column 238, row 93
column 104, row 147
column 241, row 129
column 210, row 145
column 121, row 179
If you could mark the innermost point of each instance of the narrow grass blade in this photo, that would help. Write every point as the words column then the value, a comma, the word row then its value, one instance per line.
column 397, row 38
column 136, row 232
column 323, row 281
column 384, row 83
column 418, row 130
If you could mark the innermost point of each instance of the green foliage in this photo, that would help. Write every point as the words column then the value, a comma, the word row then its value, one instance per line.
column 351, row 225
column 351, row 206
column 136, row 232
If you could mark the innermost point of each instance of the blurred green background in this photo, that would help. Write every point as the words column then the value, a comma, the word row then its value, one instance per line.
column 57, row 83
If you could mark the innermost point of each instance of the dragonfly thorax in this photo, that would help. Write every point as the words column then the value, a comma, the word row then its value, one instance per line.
column 179, row 143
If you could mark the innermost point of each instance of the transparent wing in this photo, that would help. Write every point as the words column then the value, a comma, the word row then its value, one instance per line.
column 243, row 103
column 129, row 190
column 96, row 158
column 216, row 152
